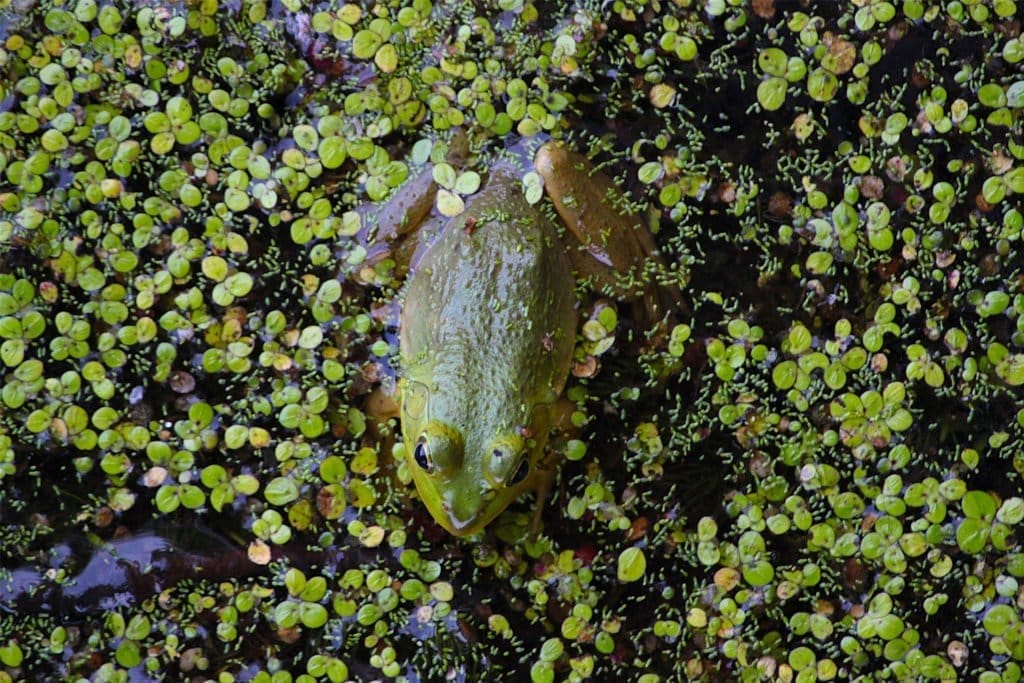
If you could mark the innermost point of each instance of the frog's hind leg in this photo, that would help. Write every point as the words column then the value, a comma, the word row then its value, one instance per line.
column 616, row 250
column 401, row 220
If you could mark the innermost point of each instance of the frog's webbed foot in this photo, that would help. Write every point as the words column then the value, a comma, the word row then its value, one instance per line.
column 617, row 251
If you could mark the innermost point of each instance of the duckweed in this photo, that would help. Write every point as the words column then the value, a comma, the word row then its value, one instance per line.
column 809, row 471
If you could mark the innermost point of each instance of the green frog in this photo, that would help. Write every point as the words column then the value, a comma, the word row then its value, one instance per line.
column 488, row 325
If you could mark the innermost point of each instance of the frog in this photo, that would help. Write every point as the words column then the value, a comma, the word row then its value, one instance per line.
column 487, row 327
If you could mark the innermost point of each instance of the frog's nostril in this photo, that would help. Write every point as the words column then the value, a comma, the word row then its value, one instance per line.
column 463, row 510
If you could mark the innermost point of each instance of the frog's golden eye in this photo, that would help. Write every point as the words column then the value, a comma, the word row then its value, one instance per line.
column 421, row 454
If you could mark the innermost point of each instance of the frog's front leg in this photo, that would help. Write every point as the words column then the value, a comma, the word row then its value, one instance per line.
column 613, row 241
column 547, row 468
column 382, row 405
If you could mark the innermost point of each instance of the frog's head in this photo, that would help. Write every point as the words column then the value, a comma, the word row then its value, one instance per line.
column 468, row 474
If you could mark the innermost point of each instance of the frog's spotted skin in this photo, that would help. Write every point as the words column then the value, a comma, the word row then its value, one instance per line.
column 488, row 326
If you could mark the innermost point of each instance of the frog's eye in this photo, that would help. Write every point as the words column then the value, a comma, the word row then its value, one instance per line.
column 503, row 456
column 421, row 454
column 521, row 473
column 438, row 448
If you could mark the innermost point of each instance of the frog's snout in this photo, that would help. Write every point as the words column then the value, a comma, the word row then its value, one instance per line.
column 463, row 509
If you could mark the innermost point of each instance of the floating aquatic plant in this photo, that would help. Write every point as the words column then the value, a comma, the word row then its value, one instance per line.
column 810, row 473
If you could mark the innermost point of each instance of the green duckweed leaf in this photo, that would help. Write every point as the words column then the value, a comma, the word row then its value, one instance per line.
column 280, row 491
column 365, row 44
column 631, row 565
column 444, row 175
column 771, row 93
column 467, row 183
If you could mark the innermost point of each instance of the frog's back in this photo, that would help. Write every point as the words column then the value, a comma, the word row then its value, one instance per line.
column 488, row 318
